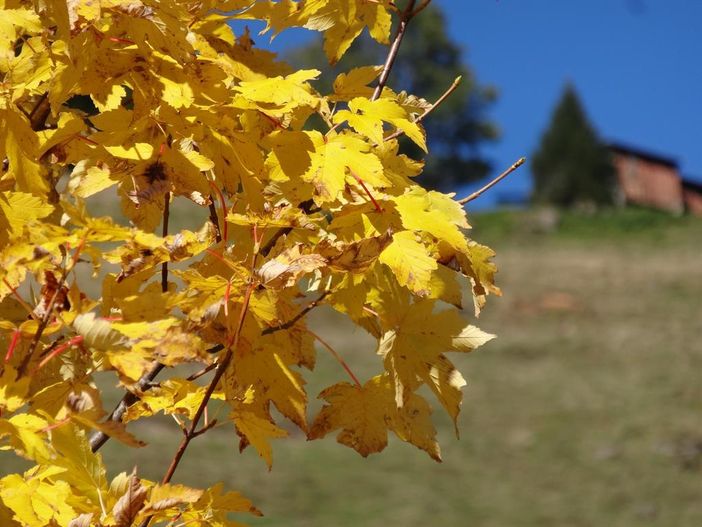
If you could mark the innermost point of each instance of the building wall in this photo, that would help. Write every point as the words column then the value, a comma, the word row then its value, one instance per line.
column 693, row 201
column 645, row 182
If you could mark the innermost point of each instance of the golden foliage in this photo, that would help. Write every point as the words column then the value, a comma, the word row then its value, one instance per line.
column 153, row 102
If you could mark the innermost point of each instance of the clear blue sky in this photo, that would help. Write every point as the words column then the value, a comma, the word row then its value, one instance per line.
column 636, row 64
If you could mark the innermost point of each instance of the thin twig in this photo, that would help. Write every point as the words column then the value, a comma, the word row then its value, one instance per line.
column 294, row 320
column 306, row 207
column 44, row 322
column 494, row 182
column 394, row 48
column 40, row 112
column 203, row 371
column 221, row 368
column 421, row 7
column 214, row 219
column 144, row 383
column 431, row 108
column 164, row 265
column 338, row 357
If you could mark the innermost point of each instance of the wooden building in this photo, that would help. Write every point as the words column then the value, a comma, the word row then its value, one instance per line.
column 647, row 179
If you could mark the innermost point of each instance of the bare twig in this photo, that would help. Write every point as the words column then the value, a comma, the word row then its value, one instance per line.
column 164, row 265
column 49, row 310
column 420, row 8
column 40, row 112
column 294, row 320
column 221, row 368
column 214, row 219
column 306, row 207
column 405, row 17
column 203, row 371
column 100, row 438
column 494, row 182
column 431, row 108
column 338, row 357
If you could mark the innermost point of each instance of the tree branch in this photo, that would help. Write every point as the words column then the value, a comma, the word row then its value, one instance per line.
column 294, row 320
column 192, row 431
column 40, row 112
column 494, row 182
column 431, row 108
column 98, row 439
column 405, row 17
column 214, row 219
column 164, row 232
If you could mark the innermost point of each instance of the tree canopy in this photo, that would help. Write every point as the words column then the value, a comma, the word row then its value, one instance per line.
column 429, row 63
column 571, row 165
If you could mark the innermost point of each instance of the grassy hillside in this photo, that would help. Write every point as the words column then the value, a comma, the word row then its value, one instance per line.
column 587, row 410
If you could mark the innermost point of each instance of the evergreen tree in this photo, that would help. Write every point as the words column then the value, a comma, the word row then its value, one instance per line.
column 428, row 64
column 571, row 164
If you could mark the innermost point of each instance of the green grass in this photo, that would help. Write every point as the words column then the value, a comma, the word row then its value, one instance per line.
column 627, row 225
column 586, row 411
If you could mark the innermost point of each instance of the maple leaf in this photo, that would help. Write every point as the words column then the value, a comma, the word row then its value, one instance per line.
column 366, row 117
column 412, row 346
column 354, row 84
column 366, row 413
column 130, row 503
column 409, row 261
column 333, row 159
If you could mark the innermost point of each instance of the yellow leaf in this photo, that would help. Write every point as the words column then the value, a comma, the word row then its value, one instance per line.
column 177, row 94
column 334, row 159
column 13, row 391
column 285, row 92
column 37, row 503
column 366, row 117
column 136, row 152
column 409, row 261
column 18, row 209
column 21, row 148
column 87, row 181
column 360, row 412
column 168, row 496
column 412, row 346
column 257, row 431
column 289, row 266
column 435, row 213
column 355, row 83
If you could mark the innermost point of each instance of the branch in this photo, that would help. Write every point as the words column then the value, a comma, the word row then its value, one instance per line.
column 294, row 320
column 40, row 112
column 420, row 8
column 306, row 207
column 49, row 309
column 192, row 432
column 394, row 48
column 164, row 265
column 431, row 108
column 494, row 182
column 100, row 438
column 214, row 219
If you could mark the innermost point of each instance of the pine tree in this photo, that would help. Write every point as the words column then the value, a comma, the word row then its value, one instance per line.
column 571, row 164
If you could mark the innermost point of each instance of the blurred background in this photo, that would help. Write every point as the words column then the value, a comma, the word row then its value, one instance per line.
column 587, row 408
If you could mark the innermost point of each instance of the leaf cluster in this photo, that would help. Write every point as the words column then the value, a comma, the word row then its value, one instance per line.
column 158, row 103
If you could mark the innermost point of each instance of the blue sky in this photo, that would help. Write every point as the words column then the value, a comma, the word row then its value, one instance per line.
column 636, row 64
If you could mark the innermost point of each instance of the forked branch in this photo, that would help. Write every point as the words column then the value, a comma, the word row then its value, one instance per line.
column 430, row 109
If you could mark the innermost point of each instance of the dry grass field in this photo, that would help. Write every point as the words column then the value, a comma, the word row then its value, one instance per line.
column 586, row 411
